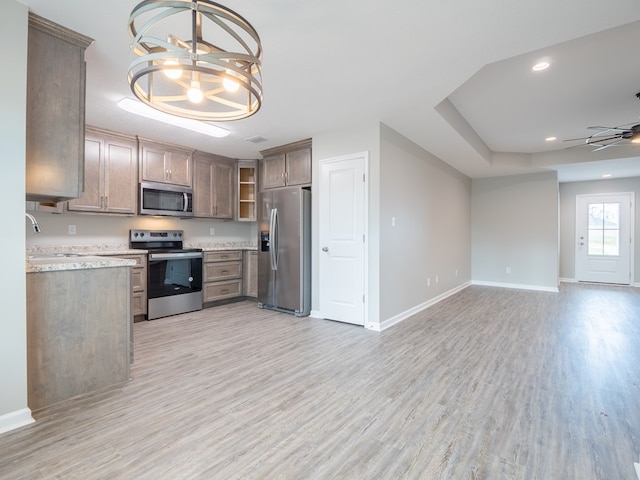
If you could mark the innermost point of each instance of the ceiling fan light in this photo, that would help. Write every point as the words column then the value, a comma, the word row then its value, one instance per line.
column 635, row 139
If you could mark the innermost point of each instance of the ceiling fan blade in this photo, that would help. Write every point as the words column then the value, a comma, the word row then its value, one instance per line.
column 597, row 127
column 597, row 140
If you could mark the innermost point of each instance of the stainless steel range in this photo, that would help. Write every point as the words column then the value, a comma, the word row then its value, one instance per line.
column 174, row 273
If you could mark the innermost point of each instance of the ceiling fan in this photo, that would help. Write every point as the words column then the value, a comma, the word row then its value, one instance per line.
column 611, row 136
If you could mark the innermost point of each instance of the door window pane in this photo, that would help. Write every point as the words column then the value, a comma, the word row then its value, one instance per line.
column 604, row 229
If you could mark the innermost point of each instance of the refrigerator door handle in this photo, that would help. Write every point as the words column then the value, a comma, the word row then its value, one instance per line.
column 273, row 238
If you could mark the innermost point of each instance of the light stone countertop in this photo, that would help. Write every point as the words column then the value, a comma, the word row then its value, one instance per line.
column 58, row 262
column 47, row 258
column 216, row 246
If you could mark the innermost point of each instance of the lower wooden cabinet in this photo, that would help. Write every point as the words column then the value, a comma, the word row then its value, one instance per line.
column 138, row 283
column 222, row 275
column 250, row 273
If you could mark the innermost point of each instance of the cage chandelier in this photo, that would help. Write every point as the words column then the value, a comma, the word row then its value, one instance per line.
column 195, row 59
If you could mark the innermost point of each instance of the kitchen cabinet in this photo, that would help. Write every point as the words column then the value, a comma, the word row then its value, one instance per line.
column 111, row 174
column 77, row 341
column 55, row 111
column 164, row 163
column 222, row 275
column 247, row 191
column 213, row 179
column 250, row 273
column 287, row 165
column 138, row 283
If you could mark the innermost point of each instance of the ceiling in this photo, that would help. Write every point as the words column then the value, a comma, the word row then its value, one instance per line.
column 454, row 77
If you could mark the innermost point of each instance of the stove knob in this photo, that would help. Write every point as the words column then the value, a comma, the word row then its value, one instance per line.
column 180, row 234
column 135, row 234
column 142, row 234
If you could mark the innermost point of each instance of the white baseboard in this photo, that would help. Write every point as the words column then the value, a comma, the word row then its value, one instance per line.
column 17, row 419
column 573, row 280
column 418, row 308
column 538, row 288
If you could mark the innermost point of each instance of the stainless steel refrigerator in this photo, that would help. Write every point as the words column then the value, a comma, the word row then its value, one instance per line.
column 284, row 250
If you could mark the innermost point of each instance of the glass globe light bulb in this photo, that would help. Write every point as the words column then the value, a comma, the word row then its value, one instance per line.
column 230, row 85
column 194, row 94
column 170, row 71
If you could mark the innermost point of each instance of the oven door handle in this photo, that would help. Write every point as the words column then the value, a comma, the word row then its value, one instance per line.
column 169, row 256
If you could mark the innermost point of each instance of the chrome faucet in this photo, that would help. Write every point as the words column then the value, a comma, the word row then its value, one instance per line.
column 34, row 222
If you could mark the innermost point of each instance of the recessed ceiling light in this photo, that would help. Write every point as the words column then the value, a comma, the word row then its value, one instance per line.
column 139, row 108
column 538, row 67
column 606, row 175
column 550, row 139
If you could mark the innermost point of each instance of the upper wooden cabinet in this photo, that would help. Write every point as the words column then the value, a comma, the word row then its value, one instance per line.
column 213, row 180
column 164, row 163
column 247, row 191
column 286, row 165
column 111, row 174
column 55, row 111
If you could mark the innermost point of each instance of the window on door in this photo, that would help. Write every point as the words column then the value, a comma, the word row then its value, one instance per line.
column 604, row 229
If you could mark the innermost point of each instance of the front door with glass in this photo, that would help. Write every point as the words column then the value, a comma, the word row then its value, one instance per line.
column 604, row 238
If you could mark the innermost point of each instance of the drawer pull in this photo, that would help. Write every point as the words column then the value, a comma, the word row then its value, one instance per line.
column 225, row 290
column 225, row 272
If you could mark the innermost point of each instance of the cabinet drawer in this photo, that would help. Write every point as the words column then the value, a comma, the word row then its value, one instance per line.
column 138, row 281
column 222, row 270
column 222, row 290
column 139, row 303
column 222, row 256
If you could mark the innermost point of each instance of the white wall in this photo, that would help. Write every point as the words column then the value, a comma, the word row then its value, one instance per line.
column 13, row 344
column 431, row 203
column 515, row 225
column 113, row 229
column 364, row 138
column 568, row 192
column 428, row 251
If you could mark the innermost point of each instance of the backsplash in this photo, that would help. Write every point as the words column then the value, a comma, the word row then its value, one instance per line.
column 111, row 230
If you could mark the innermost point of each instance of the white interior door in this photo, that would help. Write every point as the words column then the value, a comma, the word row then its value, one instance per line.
column 604, row 237
column 342, row 222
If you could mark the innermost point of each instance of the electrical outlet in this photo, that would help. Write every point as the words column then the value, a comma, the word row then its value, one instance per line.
column 428, row 282
column 437, row 279
column 393, row 221
column 72, row 229
column 212, row 231
column 508, row 269
column 456, row 273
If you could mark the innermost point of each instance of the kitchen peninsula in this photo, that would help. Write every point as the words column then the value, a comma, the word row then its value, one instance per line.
column 77, row 341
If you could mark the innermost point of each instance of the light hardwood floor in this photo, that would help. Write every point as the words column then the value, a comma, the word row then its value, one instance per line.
column 489, row 384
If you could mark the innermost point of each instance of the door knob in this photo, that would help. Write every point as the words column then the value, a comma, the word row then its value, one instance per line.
column 325, row 249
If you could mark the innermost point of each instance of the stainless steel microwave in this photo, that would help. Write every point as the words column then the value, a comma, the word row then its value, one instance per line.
column 163, row 199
